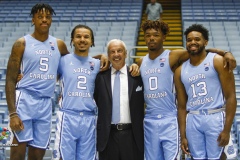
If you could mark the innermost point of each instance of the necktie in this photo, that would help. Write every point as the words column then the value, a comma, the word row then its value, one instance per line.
column 116, row 99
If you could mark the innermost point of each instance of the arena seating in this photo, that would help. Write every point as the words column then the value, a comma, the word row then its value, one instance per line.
column 210, row 10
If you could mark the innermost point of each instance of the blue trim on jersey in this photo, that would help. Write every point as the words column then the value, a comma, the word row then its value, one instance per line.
column 60, row 133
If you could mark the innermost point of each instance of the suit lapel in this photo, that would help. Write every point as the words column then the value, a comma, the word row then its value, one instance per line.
column 107, row 80
column 130, row 84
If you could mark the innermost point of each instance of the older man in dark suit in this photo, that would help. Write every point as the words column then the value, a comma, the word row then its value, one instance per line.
column 119, row 133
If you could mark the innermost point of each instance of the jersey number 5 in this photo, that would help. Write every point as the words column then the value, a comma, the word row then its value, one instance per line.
column 43, row 64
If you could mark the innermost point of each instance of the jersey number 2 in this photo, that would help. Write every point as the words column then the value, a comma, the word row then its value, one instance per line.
column 82, row 80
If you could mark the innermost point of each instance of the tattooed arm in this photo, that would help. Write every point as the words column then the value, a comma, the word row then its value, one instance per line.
column 13, row 68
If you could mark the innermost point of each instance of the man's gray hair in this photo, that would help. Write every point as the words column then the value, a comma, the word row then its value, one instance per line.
column 117, row 40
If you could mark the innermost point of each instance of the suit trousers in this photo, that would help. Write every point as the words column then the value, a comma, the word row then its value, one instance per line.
column 121, row 146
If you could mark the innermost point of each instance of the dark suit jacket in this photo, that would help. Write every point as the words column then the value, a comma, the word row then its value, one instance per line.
column 103, row 98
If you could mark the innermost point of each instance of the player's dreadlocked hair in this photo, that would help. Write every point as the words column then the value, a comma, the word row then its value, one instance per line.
column 157, row 25
column 40, row 6
column 82, row 26
column 198, row 28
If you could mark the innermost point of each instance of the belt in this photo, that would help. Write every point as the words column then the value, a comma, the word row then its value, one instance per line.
column 207, row 111
column 121, row 126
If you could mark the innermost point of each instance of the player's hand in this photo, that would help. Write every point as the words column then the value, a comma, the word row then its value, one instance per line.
column 19, row 77
column 104, row 63
column 16, row 123
column 229, row 61
column 184, row 146
column 223, row 138
column 134, row 69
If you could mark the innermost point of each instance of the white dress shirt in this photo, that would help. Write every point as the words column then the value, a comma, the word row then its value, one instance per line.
column 124, row 99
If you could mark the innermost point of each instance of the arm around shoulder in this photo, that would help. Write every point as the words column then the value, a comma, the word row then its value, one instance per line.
column 105, row 64
column 177, row 57
column 62, row 47
column 229, row 59
column 181, row 54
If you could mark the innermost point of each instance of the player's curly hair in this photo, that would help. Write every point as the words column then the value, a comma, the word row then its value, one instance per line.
column 198, row 28
column 82, row 26
column 39, row 7
column 157, row 25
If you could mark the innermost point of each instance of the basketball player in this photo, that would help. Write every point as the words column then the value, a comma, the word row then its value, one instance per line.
column 76, row 127
column 205, row 89
column 30, row 113
column 161, row 132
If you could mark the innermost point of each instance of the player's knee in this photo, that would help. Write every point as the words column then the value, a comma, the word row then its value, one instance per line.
column 38, row 156
column 35, row 153
column 17, row 156
column 18, row 153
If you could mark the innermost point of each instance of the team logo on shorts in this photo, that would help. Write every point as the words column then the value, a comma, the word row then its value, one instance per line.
column 230, row 150
column 55, row 154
